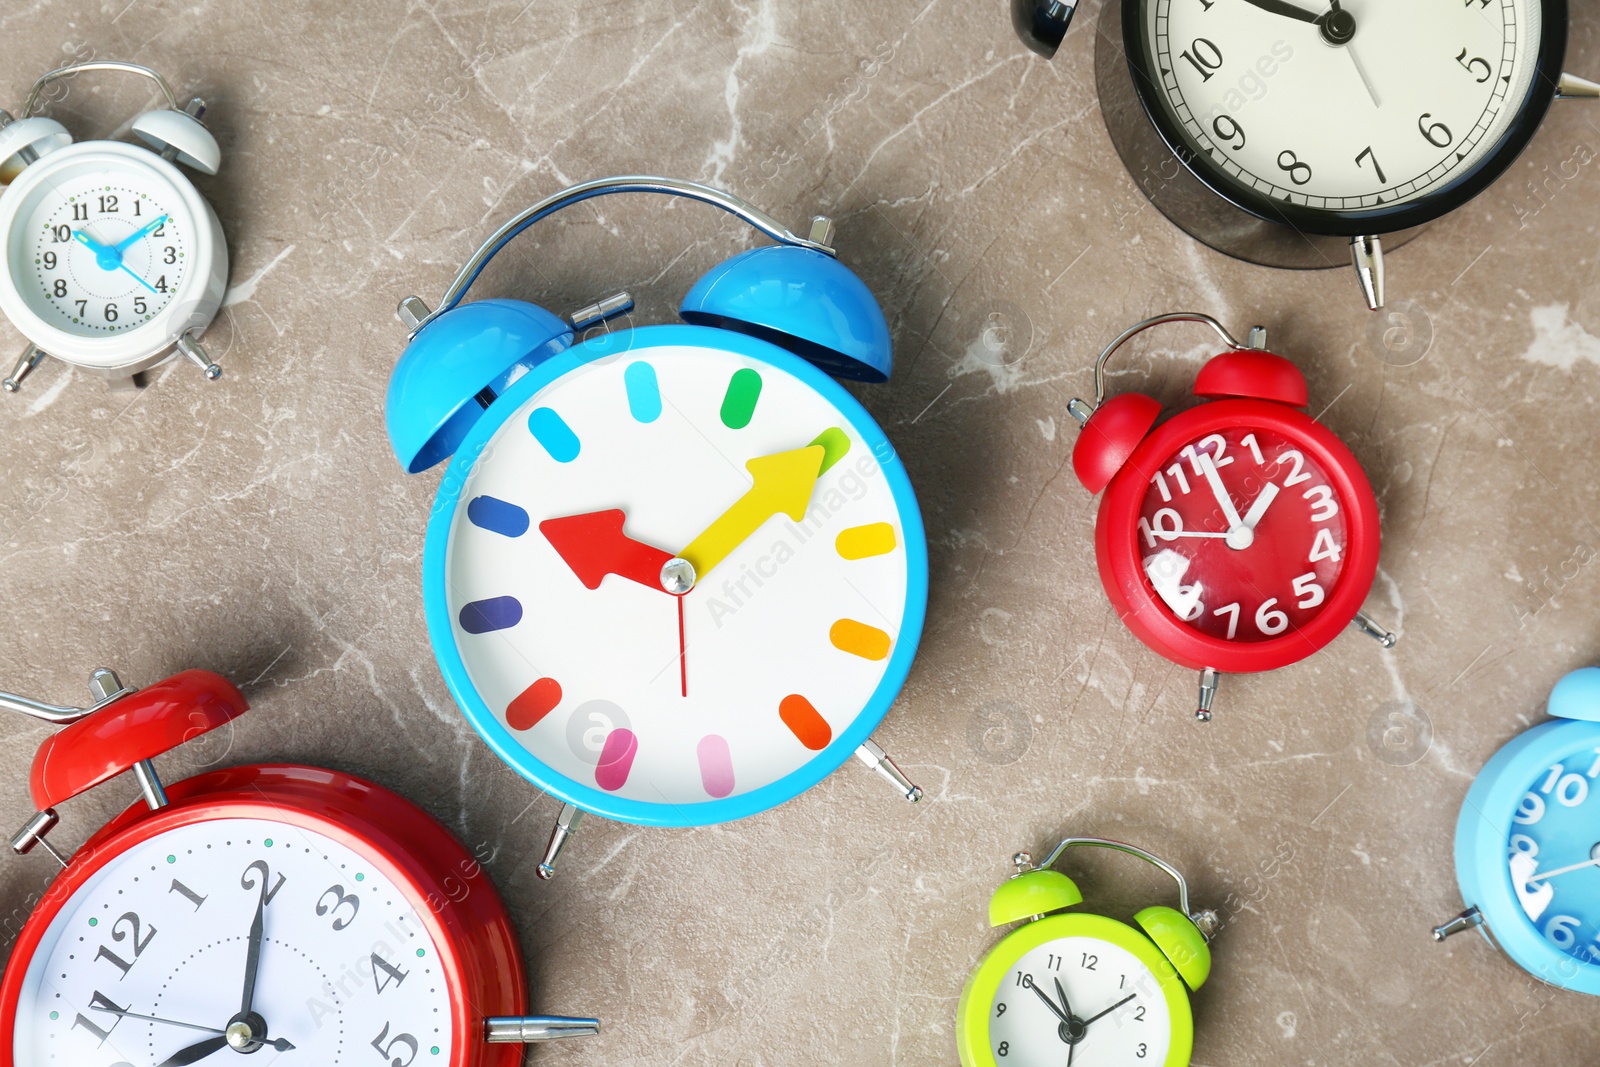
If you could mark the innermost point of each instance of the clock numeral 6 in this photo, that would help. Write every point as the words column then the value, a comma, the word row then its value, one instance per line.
column 1469, row 64
column 1433, row 131
column 340, row 899
column 1269, row 620
column 1290, row 164
column 387, row 1050
column 1561, row 931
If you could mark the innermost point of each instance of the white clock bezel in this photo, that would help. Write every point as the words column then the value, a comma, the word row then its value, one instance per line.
column 192, row 307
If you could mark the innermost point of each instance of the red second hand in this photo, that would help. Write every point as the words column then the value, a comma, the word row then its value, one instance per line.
column 683, row 661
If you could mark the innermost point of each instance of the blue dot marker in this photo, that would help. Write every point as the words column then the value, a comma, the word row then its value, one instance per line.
column 497, row 516
column 644, row 392
column 486, row 616
column 552, row 431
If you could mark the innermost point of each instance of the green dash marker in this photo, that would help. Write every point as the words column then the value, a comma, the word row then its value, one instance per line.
column 834, row 444
column 268, row 842
column 57, row 1015
column 739, row 402
column 361, row 877
column 434, row 1050
column 172, row 859
column 422, row 952
column 94, row 922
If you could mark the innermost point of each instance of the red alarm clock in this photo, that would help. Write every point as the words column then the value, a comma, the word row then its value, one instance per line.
column 1238, row 536
column 262, row 907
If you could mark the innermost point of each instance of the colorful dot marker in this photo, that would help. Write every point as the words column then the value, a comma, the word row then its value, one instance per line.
column 859, row 639
column 860, row 542
column 533, row 704
column 486, row 616
column 835, row 444
column 805, row 722
column 739, row 402
column 616, row 759
column 552, row 431
column 644, row 392
column 716, row 766
column 497, row 516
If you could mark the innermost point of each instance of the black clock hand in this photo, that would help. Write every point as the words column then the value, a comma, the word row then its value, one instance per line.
column 195, row 1052
column 1062, row 993
column 1111, row 1009
column 252, row 961
column 1063, row 1016
column 1294, row 11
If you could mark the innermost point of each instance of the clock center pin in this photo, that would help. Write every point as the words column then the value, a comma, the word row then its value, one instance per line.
column 677, row 576
column 240, row 1036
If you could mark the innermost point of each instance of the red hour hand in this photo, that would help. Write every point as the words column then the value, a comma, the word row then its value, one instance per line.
column 593, row 545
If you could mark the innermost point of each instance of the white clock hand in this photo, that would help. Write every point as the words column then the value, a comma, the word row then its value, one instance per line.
column 1593, row 861
column 1220, row 491
column 1259, row 508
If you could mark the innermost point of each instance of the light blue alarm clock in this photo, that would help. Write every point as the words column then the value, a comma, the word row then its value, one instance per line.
column 675, row 574
column 1528, row 843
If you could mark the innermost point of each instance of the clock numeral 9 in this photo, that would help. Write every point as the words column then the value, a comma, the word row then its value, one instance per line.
column 1204, row 56
column 49, row 261
column 1299, row 172
column 387, row 1050
column 340, row 899
column 1435, row 130
column 1227, row 128
column 1530, row 809
column 999, row 1009
column 1469, row 64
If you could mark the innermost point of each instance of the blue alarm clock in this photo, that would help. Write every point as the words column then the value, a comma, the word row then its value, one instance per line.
column 675, row 574
column 1528, row 843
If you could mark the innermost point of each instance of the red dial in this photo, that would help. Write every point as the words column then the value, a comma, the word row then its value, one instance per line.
column 1240, row 535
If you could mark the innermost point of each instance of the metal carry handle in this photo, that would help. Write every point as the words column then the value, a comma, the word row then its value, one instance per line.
column 705, row 194
column 104, row 685
column 1206, row 921
column 1133, row 331
column 99, row 64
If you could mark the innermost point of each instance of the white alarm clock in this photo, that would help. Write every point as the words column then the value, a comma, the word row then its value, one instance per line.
column 114, row 263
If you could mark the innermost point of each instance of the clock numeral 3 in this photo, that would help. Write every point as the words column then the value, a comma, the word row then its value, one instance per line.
column 340, row 899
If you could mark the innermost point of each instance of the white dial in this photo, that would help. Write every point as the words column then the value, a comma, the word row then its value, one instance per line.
column 163, row 932
column 554, row 589
column 111, row 255
column 1350, row 106
column 106, row 255
column 1083, row 997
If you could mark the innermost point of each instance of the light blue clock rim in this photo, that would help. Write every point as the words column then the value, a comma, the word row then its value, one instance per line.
column 1481, row 835
column 441, row 633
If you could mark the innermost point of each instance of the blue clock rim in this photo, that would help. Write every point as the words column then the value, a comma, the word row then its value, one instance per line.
column 1481, row 833
column 596, row 801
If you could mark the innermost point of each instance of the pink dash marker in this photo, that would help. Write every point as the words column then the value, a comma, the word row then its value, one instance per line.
column 716, row 766
column 616, row 760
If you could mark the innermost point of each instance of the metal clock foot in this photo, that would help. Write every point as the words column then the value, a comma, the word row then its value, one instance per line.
column 566, row 825
column 875, row 757
column 1572, row 87
column 32, row 356
column 526, row 1029
column 194, row 353
column 1208, row 693
column 1384, row 637
column 601, row 311
column 1367, row 253
column 1465, row 921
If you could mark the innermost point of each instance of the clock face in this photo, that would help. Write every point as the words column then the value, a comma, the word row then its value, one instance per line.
column 1380, row 105
column 1242, row 535
column 1553, row 854
column 100, row 248
column 163, row 930
column 766, row 492
column 1084, row 995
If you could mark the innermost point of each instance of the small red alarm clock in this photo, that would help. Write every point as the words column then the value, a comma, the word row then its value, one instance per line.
column 261, row 907
column 1238, row 536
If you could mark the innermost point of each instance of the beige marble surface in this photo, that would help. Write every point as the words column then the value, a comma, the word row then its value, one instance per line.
column 260, row 526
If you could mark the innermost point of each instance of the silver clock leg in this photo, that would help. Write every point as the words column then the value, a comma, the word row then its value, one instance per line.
column 1208, row 693
column 32, row 833
column 1386, row 638
column 566, row 825
column 32, row 356
column 1465, row 921
column 526, row 1029
column 876, row 758
column 194, row 353
column 1572, row 87
column 1367, row 253
column 155, row 797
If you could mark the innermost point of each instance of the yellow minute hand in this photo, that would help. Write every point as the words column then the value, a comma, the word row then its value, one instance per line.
column 783, row 484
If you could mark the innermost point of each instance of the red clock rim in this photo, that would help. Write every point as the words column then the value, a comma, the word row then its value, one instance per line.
column 1143, row 611
column 357, row 813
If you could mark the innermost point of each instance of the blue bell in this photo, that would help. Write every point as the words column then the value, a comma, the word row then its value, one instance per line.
column 456, row 365
column 800, row 300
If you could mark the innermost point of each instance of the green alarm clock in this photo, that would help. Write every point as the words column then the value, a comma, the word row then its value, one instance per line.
column 1067, row 984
